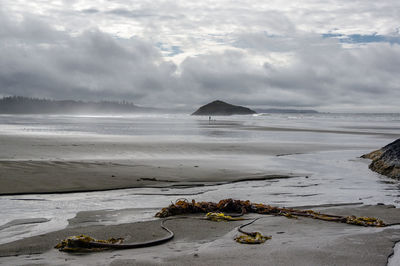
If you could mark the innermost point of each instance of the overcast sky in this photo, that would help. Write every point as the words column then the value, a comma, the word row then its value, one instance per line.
column 335, row 55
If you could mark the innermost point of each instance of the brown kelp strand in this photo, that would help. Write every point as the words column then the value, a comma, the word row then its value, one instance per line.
column 257, row 238
column 183, row 206
column 250, row 237
column 219, row 216
column 84, row 243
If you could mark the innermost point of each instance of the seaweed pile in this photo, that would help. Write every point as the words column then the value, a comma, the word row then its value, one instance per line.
column 84, row 243
column 214, row 212
column 183, row 206
column 250, row 237
column 219, row 216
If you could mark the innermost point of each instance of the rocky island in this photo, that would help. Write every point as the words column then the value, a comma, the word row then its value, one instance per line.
column 223, row 108
column 386, row 160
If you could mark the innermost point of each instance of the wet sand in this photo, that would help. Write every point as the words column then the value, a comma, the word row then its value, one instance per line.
column 37, row 163
column 40, row 163
column 115, row 147
column 50, row 164
column 300, row 241
column 34, row 177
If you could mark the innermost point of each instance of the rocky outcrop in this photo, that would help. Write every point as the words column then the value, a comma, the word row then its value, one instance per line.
column 223, row 108
column 386, row 160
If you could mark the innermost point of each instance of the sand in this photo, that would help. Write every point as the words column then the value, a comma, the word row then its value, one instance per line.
column 43, row 163
column 50, row 164
column 300, row 241
column 32, row 177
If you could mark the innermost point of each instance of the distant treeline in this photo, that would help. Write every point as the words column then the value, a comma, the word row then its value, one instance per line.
column 25, row 105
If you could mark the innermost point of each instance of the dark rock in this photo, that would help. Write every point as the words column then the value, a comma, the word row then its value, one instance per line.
column 386, row 160
column 223, row 108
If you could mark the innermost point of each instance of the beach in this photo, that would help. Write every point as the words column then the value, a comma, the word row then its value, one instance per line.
column 108, row 176
column 199, row 133
column 294, row 242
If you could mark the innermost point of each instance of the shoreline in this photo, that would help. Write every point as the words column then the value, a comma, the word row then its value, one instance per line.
column 321, row 169
column 205, row 242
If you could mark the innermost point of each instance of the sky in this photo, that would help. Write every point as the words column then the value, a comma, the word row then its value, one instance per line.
column 327, row 55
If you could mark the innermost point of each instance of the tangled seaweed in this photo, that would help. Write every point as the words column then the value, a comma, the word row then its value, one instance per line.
column 215, row 212
column 250, row 237
column 219, row 216
column 257, row 238
column 84, row 243
column 183, row 206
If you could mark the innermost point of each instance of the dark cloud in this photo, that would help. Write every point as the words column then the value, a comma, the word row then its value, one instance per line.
column 320, row 74
column 130, row 13
column 279, row 66
column 90, row 11
column 91, row 64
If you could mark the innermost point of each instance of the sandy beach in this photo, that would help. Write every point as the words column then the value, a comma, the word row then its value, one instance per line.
column 51, row 164
column 56, row 185
column 103, row 164
column 144, row 120
column 300, row 241
column 60, row 176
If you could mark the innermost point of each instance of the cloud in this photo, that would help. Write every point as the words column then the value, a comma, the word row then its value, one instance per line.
column 320, row 73
column 328, row 57
column 37, row 60
column 123, row 12
column 90, row 11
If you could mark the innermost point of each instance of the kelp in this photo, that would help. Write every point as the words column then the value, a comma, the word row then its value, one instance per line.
column 250, row 237
column 219, row 216
column 365, row 221
column 84, row 243
column 183, row 206
column 215, row 212
column 256, row 238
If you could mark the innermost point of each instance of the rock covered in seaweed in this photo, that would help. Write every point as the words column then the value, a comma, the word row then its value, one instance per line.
column 386, row 160
column 223, row 108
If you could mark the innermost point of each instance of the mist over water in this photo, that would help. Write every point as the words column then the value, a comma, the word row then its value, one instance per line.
column 178, row 126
